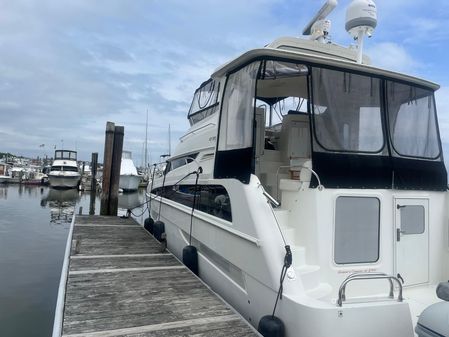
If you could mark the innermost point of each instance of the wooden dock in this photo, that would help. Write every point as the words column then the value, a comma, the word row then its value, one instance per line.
column 119, row 282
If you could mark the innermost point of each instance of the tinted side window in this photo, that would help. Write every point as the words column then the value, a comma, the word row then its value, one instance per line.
column 211, row 199
column 181, row 161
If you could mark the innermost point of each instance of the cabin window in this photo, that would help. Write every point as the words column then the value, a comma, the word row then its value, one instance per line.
column 70, row 169
column 357, row 227
column 211, row 199
column 205, row 101
column 412, row 219
column 347, row 111
column 181, row 161
column 412, row 108
column 62, row 154
column 56, row 168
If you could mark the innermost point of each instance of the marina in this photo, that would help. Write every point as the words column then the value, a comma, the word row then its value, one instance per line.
column 306, row 195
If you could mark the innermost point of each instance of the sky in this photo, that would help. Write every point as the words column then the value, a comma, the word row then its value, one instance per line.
column 68, row 67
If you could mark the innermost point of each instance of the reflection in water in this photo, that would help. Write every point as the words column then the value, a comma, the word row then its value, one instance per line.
column 32, row 251
column 61, row 204
column 3, row 192
column 128, row 200
column 132, row 201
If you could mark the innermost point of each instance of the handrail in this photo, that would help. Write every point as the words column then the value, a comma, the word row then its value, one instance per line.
column 364, row 274
column 368, row 276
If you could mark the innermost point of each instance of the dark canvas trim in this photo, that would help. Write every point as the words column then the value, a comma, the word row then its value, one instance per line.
column 378, row 172
column 234, row 164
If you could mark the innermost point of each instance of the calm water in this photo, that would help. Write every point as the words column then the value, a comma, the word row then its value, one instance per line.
column 34, row 224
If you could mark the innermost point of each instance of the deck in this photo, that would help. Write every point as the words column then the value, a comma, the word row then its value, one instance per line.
column 120, row 282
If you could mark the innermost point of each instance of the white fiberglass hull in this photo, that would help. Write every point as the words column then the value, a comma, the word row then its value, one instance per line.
column 64, row 179
column 225, row 251
column 4, row 179
column 129, row 182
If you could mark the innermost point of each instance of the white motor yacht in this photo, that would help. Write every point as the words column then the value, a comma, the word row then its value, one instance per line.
column 64, row 170
column 129, row 178
column 5, row 175
column 322, row 195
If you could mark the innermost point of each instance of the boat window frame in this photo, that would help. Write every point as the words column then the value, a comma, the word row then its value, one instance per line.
column 186, row 158
column 387, row 147
column 173, row 189
column 379, row 229
column 69, row 152
column 435, row 115
column 382, row 108
column 212, row 106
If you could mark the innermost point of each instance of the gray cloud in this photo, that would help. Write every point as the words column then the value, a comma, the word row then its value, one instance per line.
column 68, row 67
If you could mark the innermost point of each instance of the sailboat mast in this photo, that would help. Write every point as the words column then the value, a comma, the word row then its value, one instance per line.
column 169, row 140
column 146, row 142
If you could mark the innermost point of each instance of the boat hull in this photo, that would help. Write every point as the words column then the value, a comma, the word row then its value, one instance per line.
column 4, row 179
column 64, row 181
column 129, row 183
column 253, row 297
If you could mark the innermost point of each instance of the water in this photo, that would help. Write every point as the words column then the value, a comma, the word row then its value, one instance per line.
column 34, row 224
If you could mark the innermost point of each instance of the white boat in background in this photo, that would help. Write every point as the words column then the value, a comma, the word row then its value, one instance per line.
column 318, row 164
column 5, row 175
column 64, row 170
column 129, row 178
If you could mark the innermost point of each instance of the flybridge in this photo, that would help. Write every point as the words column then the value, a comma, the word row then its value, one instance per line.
column 65, row 154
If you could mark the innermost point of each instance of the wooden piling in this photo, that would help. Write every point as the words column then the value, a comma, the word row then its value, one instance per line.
column 107, row 164
column 115, row 169
column 93, row 164
column 93, row 183
column 113, row 147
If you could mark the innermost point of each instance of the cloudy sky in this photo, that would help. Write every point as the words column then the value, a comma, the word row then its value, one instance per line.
column 68, row 67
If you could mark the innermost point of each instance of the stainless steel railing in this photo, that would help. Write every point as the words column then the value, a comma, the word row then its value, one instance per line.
column 369, row 276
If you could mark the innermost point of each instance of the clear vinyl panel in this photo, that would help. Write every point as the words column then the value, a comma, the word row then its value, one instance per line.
column 412, row 121
column 205, row 101
column 347, row 112
column 237, row 114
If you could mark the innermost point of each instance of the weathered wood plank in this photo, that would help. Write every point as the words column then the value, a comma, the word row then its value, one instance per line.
column 119, row 284
column 122, row 270
column 105, row 220
column 117, row 262
column 230, row 325
column 113, row 241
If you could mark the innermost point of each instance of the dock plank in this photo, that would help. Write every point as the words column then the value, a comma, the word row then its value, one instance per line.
column 123, row 262
column 120, row 283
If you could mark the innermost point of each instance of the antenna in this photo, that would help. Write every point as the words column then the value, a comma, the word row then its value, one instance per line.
column 318, row 28
column 361, row 20
column 146, row 142
column 169, row 140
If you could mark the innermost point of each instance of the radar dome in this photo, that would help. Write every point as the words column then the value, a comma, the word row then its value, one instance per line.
column 361, row 15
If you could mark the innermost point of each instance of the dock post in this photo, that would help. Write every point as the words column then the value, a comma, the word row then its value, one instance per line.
column 93, row 164
column 93, row 183
column 115, row 169
column 107, row 164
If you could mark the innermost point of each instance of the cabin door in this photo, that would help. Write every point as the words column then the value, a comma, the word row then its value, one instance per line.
column 412, row 240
